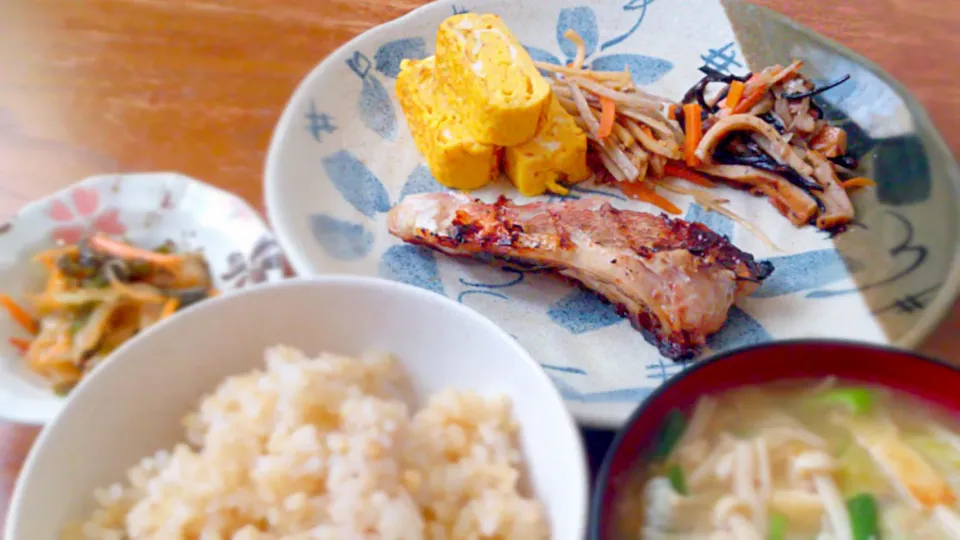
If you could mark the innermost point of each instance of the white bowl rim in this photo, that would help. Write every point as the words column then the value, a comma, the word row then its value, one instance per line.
column 330, row 280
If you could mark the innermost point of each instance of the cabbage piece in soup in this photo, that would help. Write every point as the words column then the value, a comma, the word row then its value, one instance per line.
column 820, row 460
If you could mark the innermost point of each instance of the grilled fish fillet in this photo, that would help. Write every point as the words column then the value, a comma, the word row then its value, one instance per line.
column 673, row 279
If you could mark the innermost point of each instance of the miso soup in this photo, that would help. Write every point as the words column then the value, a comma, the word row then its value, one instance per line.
column 815, row 460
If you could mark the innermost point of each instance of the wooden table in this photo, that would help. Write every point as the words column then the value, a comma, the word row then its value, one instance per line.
column 196, row 86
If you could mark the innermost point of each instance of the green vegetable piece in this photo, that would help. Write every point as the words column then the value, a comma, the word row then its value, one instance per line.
column 857, row 400
column 673, row 427
column 76, row 326
column 677, row 479
column 64, row 387
column 864, row 521
column 777, row 527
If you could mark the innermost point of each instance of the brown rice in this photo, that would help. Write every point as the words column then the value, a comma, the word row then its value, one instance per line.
column 326, row 448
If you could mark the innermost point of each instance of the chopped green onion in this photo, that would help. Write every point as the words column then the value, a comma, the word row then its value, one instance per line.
column 673, row 426
column 863, row 517
column 777, row 527
column 677, row 479
column 857, row 400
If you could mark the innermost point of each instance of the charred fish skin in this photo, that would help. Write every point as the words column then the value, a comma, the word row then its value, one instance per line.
column 674, row 280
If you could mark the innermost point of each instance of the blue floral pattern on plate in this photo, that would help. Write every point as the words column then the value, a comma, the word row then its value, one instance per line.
column 347, row 158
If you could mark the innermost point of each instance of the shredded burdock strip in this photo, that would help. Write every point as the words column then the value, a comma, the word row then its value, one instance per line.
column 716, row 204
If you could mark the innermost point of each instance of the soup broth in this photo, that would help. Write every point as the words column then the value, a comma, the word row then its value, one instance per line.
column 815, row 460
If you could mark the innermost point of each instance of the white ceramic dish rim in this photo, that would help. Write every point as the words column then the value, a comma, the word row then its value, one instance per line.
column 47, row 409
column 932, row 316
column 422, row 295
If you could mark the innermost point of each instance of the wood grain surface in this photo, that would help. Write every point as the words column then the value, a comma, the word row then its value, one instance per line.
column 195, row 86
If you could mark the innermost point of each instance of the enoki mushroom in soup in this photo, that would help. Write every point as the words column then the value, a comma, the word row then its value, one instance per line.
column 819, row 461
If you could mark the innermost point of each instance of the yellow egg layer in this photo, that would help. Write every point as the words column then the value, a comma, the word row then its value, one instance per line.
column 483, row 64
column 453, row 155
column 558, row 152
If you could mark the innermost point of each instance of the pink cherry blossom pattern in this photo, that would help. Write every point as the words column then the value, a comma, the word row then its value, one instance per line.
column 79, row 214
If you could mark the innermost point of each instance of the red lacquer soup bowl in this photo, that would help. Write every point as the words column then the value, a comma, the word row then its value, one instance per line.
column 930, row 380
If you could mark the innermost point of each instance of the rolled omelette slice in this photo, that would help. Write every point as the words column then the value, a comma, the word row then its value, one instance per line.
column 503, row 94
column 558, row 152
column 453, row 156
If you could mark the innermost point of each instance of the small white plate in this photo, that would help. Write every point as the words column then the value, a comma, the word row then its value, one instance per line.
column 146, row 208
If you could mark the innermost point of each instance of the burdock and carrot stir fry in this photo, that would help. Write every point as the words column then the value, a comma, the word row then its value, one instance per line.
column 100, row 293
column 762, row 132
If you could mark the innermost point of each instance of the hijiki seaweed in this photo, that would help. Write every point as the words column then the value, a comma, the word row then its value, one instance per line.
column 762, row 132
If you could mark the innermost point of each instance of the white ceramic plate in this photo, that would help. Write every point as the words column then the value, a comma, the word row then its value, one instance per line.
column 341, row 155
column 146, row 208
column 132, row 406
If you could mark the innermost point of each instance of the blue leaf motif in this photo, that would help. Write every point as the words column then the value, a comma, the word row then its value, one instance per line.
column 582, row 311
column 540, row 55
column 644, row 69
column 356, row 183
column 740, row 330
column 420, row 181
column 341, row 239
column 414, row 265
column 375, row 107
column 583, row 21
column 389, row 55
column 808, row 270
column 718, row 223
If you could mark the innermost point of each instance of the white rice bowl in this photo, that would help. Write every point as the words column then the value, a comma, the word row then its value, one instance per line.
column 459, row 434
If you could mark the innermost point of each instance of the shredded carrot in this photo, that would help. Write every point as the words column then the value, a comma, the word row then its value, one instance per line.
column 608, row 115
column 734, row 94
column 693, row 128
column 20, row 344
column 118, row 249
column 672, row 112
column 169, row 308
column 19, row 314
column 858, row 182
column 51, row 255
column 752, row 99
column 679, row 170
column 643, row 192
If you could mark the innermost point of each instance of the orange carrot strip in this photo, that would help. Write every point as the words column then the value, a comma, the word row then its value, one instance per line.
column 672, row 112
column 858, row 182
column 19, row 314
column 642, row 192
column 169, row 308
column 20, row 344
column 118, row 249
column 608, row 115
column 679, row 170
column 748, row 102
column 734, row 94
column 693, row 129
